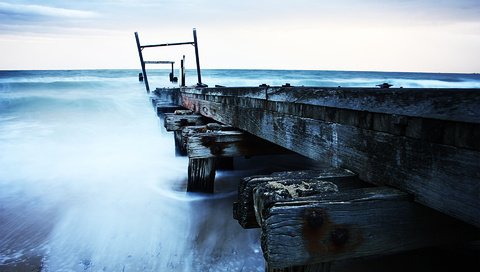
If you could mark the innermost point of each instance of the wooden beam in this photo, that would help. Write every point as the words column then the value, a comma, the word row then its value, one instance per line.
column 234, row 143
column 347, row 224
column 440, row 104
column 441, row 169
column 244, row 210
column 179, row 119
column 163, row 108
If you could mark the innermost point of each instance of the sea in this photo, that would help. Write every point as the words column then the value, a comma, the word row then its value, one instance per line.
column 89, row 180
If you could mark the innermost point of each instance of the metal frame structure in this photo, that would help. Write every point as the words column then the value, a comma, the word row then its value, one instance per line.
column 143, row 62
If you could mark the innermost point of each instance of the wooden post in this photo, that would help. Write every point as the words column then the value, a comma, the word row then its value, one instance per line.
column 142, row 63
column 182, row 72
column 201, row 175
column 180, row 148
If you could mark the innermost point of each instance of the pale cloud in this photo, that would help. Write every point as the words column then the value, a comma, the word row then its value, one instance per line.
column 38, row 11
column 394, row 35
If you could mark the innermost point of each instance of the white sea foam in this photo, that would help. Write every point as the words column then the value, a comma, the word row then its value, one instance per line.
column 89, row 181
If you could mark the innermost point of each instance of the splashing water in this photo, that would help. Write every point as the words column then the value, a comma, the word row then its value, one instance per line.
column 89, row 180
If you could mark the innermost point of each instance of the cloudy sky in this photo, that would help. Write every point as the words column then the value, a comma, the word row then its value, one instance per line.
column 372, row 35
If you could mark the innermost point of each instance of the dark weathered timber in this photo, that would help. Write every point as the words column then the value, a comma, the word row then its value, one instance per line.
column 422, row 141
column 454, row 133
column 167, row 108
column 180, row 146
column 169, row 95
column 189, row 131
column 349, row 224
column 174, row 121
column 321, row 267
column 244, row 209
column 201, row 175
column 441, row 104
column 229, row 144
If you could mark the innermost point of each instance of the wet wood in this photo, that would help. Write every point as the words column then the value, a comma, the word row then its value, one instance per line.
column 180, row 145
column 439, row 104
column 234, row 143
column 422, row 141
column 179, row 119
column 244, row 210
column 346, row 224
column 163, row 108
column 201, row 175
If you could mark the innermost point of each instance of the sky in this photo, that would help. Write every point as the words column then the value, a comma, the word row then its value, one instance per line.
column 367, row 35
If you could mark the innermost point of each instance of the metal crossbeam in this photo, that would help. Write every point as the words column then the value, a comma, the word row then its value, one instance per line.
column 166, row 44
column 158, row 62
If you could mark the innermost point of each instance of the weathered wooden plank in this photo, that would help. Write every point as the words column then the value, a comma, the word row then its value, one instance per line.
column 243, row 209
column 229, row 144
column 201, row 175
column 442, row 104
column 189, row 131
column 349, row 224
column 459, row 134
column 175, row 121
column 443, row 177
column 163, row 108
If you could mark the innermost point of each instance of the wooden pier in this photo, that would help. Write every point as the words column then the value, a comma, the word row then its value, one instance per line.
column 405, row 165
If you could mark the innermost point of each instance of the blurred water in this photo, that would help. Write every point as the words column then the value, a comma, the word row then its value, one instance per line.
column 89, row 180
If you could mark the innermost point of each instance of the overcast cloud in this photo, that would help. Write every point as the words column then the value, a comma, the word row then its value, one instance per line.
column 342, row 34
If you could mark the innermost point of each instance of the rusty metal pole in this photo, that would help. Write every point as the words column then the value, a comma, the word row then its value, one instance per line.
column 142, row 62
column 195, row 43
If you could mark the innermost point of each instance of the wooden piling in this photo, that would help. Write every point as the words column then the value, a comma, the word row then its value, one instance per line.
column 201, row 175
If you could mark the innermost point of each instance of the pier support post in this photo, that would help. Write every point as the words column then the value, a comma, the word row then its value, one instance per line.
column 201, row 175
column 180, row 148
column 182, row 72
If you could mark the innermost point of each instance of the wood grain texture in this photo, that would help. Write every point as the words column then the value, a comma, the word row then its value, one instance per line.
column 229, row 144
column 349, row 224
column 173, row 121
column 201, row 175
column 442, row 104
column 244, row 210
column 441, row 176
